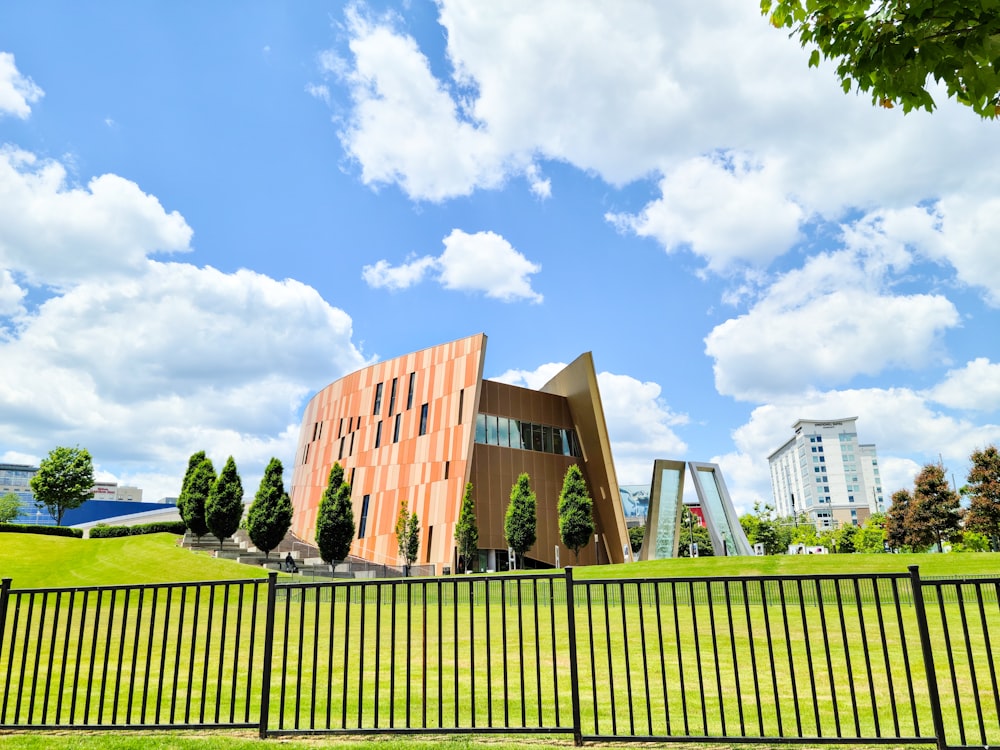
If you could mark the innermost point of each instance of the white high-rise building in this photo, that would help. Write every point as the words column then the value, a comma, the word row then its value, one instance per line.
column 824, row 473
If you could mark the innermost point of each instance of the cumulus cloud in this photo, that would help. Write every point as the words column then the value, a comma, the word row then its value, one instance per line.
column 482, row 262
column 634, row 91
column 975, row 387
column 139, row 360
column 59, row 234
column 640, row 423
column 824, row 324
column 717, row 206
column 17, row 91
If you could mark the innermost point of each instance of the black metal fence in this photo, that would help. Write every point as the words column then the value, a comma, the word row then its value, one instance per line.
column 865, row 659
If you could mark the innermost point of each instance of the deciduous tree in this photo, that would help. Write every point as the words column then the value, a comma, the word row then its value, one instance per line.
column 576, row 511
column 895, row 520
column 407, row 536
column 198, row 481
column 519, row 522
column 983, row 491
column 467, row 532
column 890, row 48
column 933, row 515
column 335, row 518
column 871, row 537
column 64, row 481
column 10, row 507
column 270, row 513
column 224, row 506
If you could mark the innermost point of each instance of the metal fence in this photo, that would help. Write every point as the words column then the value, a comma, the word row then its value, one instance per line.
column 864, row 659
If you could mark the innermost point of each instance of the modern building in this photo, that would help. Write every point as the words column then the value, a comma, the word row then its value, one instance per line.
column 824, row 473
column 417, row 428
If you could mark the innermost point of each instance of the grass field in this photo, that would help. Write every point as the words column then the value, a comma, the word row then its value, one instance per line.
column 673, row 659
column 35, row 561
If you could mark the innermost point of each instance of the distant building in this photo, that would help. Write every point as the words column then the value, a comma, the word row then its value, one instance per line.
column 824, row 473
column 108, row 500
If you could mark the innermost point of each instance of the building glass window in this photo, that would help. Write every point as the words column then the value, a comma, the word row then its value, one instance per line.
column 409, row 391
column 392, row 396
column 492, row 430
column 378, row 399
column 461, row 404
column 423, row 419
column 378, row 434
column 395, row 429
column 504, row 433
column 481, row 428
column 363, row 523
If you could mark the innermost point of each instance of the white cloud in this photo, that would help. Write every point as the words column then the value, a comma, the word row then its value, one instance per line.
column 319, row 91
column 17, row 92
column 481, row 262
column 640, row 424
column 724, row 207
column 975, row 387
column 382, row 275
column 826, row 323
column 144, row 362
column 56, row 233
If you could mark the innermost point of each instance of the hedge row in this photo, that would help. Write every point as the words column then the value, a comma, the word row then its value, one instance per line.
column 26, row 528
column 107, row 532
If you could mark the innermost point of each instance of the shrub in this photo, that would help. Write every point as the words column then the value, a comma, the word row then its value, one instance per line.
column 102, row 531
column 27, row 528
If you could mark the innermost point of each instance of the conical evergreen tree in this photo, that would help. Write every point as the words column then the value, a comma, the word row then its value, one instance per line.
column 224, row 507
column 520, row 520
column 335, row 518
column 576, row 511
column 197, row 484
column 270, row 513
column 466, row 531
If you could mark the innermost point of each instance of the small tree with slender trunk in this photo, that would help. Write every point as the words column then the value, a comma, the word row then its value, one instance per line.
column 64, row 481
column 576, row 511
column 335, row 519
column 466, row 531
column 10, row 507
column 224, row 507
column 270, row 513
column 895, row 519
column 407, row 536
column 520, row 520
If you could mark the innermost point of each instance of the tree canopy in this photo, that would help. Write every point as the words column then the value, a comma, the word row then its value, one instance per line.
column 335, row 518
column 891, row 48
column 270, row 513
column 224, row 506
column 520, row 521
column 933, row 515
column 895, row 519
column 983, row 491
column 64, row 481
column 466, row 531
column 198, row 481
column 10, row 507
column 576, row 511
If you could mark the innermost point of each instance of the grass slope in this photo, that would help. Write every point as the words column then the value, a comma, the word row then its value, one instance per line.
column 983, row 563
column 35, row 561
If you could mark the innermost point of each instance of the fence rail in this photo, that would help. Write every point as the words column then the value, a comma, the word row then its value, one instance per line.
column 864, row 659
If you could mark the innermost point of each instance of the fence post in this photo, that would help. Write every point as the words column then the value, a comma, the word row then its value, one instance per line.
column 265, row 686
column 925, row 644
column 4, row 596
column 574, row 676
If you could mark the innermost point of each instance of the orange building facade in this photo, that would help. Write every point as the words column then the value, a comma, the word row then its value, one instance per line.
column 419, row 427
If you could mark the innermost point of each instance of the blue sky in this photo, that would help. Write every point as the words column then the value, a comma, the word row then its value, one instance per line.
column 208, row 213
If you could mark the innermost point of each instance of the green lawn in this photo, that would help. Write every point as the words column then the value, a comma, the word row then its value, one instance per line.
column 36, row 561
